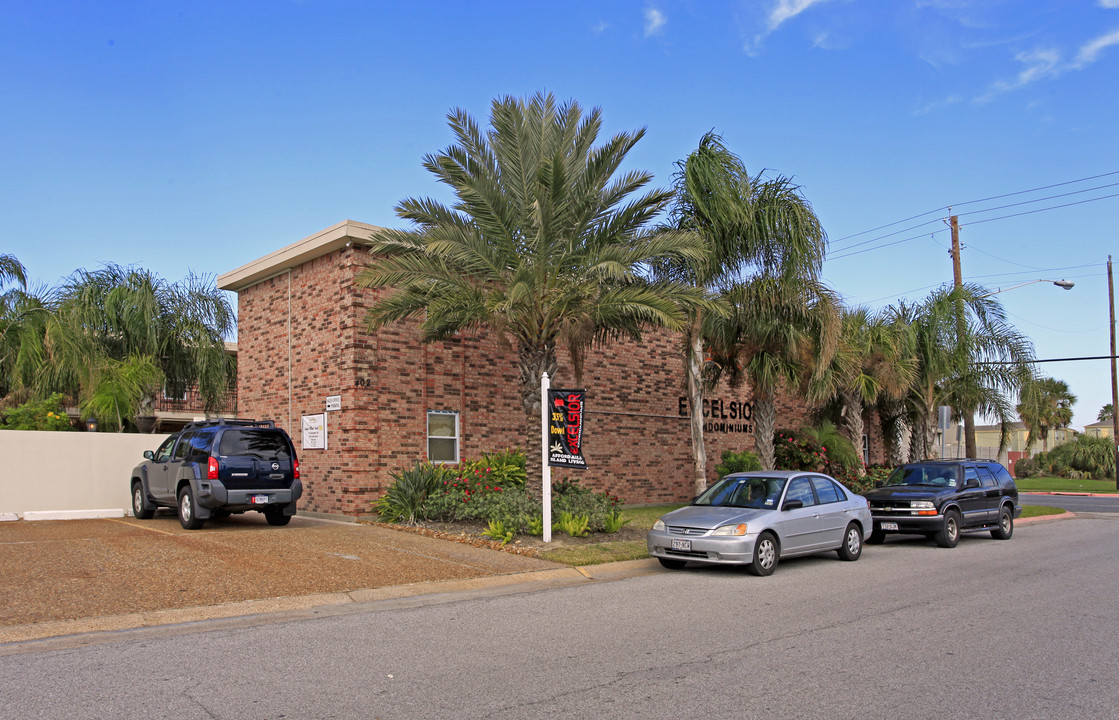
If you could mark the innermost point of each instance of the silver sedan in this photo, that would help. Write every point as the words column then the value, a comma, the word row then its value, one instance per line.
column 757, row 518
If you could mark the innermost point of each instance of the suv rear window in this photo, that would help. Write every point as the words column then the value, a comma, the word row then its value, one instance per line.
column 262, row 444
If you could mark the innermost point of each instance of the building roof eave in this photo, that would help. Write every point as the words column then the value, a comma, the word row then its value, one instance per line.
column 321, row 243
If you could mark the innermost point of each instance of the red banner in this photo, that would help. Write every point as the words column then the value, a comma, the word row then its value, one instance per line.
column 565, row 428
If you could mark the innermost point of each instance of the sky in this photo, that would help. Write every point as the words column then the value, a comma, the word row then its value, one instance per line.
column 195, row 137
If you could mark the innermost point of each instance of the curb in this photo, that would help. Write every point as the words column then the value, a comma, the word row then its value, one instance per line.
column 1075, row 494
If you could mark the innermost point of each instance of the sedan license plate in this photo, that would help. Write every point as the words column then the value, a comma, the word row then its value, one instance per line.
column 685, row 545
column 889, row 526
column 259, row 500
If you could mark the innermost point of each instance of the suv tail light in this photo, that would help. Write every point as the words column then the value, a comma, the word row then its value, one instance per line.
column 212, row 469
column 295, row 467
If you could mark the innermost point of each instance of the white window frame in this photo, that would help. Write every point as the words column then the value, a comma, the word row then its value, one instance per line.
column 430, row 437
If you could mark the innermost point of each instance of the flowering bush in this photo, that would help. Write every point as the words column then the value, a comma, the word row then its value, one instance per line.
column 792, row 452
column 46, row 414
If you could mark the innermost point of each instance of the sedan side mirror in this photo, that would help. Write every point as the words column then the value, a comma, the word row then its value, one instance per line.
column 148, row 455
column 793, row 505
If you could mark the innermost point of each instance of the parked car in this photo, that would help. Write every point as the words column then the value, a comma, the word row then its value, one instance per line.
column 218, row 467
column 757, row 518
column 943, row 498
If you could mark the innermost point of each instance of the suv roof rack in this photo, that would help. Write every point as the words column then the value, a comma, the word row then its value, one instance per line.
column 228, row 421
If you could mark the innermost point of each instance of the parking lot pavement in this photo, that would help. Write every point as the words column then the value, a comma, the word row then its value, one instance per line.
column 64, row 577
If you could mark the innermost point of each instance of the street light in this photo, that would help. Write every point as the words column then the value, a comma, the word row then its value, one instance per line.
column 1063, row 284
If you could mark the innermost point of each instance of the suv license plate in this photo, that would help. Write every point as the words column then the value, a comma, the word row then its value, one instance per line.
column 259, row 500
column 685, row 545
column 889, row 526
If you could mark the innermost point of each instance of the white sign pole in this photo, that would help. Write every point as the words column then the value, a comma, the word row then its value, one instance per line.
column 547, row 474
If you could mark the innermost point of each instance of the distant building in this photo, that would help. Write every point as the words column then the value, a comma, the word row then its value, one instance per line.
column 1103, row 428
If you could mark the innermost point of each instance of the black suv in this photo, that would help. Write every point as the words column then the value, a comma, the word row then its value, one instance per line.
column 942, row 498
column 218, row 467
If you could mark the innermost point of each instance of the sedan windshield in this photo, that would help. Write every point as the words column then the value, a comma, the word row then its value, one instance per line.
column 747, row 492
column 929, row 475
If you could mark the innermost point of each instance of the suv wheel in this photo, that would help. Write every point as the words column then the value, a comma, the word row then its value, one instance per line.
column 949, row 534
column 1006, row 524
column 140, row 507
column 187, row 517
column 276, row 517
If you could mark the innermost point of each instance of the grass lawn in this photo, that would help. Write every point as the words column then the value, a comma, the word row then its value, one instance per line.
column 1054, row 484
column 1038, row 511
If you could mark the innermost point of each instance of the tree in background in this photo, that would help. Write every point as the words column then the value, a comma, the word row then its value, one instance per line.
column 113, row 339
column 1046, row 405
column 546, row 243
column 751, row 227
column 966, row 355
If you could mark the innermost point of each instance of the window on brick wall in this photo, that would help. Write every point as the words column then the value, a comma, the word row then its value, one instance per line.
column 442, row 436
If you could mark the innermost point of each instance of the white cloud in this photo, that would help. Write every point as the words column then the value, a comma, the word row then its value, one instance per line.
column 654, row 21
column 787, row 9
column 1090, row 51
column 1039, row 64
column 1110, row 4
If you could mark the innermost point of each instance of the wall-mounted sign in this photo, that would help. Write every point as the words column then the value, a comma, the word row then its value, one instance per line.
column 333, row 402
column 717, row 411
column 314, row 432
column 565, row 428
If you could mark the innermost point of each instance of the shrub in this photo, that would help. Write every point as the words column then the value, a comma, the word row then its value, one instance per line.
column 407, row 498
column 792, row 452
column 571, row 497
column 45, row 414
column 614, row 522
column 1088, row 456
column 573, row 525
column 733, row 462
column 1026, row 467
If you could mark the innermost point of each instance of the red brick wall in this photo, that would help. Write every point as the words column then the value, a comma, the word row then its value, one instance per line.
column 637, row 444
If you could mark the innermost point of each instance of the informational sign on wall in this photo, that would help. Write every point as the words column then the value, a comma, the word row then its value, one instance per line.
column 333, row 403
column 565, row 428
column 314, row 432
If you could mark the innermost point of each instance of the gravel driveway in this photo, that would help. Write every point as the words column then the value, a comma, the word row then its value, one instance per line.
column 57, row 571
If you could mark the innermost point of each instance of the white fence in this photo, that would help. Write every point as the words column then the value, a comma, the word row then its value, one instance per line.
column 56, row 475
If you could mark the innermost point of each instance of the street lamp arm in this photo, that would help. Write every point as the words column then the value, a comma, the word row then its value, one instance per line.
column 1063, row 284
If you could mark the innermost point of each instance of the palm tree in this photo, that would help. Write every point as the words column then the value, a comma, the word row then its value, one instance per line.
column 967, row 355
column 1106, row 412
column 543, row 246
column 122, row 333
column 11, row 269
column 781, row 334
column 872, row 362
column 750, row 226
column 1046, row 404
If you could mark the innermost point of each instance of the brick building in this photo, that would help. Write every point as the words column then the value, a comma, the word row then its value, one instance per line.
column 306, row 360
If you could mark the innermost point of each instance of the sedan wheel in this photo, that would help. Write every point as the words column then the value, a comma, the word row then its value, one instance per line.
column 765, row 556
column 852, row 546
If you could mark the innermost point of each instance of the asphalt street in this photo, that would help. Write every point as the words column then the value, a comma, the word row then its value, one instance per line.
column 1074, row 503
column 1026, row 628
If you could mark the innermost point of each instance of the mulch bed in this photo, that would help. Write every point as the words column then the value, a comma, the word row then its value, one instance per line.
column 528, row 545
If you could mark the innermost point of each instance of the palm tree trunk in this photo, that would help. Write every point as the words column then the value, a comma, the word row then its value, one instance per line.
column 765, row 418
column 694, row 372
column 903, row 449
column 853, row 424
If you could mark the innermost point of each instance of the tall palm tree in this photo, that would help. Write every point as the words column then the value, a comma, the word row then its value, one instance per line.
column 1046, row 404
column 967, row 356
column 781, row 334
column 750, row 226
column 12, row 270
column 543, row 245
column 872, row 361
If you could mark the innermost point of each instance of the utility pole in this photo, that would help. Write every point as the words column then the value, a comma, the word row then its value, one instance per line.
column 958, row 277
column 1114, row 382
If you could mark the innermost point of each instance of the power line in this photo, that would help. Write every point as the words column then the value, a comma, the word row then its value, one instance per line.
column 975, row 212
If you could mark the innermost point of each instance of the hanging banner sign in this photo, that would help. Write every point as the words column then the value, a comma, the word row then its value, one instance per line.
column 565, row 428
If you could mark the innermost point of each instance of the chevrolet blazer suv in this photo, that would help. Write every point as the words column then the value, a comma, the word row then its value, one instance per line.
column 943, row 498
column 220, row 467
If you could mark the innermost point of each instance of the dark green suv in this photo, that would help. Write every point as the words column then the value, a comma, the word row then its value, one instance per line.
column 219, row 467
column 942, row 498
